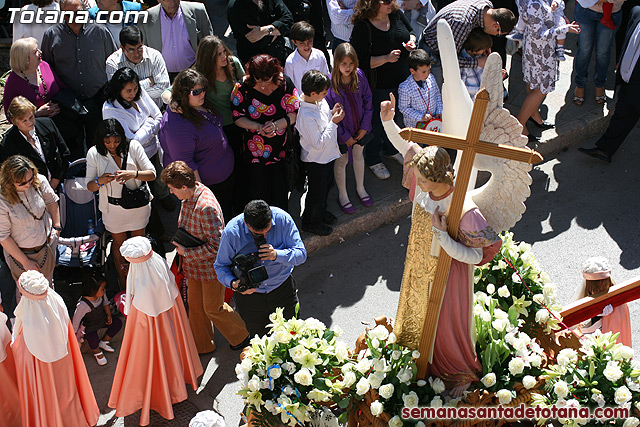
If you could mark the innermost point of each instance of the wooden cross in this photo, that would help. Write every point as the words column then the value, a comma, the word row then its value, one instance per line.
column 470, row 146
column 589, row 307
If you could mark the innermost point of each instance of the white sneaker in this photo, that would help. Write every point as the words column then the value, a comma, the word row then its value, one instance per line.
column 106, row 347
column 100, row 358
column 380, row 171
column 398, row 158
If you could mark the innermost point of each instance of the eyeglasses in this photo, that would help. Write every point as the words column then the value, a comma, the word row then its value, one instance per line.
column 386, row 1
column 138, row 49
column 29, row 181
column 196, row 92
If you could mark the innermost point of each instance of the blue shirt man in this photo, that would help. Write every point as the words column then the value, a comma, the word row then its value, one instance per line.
column 282, row 251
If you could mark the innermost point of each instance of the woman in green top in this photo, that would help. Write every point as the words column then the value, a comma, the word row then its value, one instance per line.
column 222, row 70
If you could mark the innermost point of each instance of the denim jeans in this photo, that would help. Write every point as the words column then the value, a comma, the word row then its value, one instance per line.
column 593, row 34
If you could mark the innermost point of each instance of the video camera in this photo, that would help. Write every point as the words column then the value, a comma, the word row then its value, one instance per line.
column 245, row 268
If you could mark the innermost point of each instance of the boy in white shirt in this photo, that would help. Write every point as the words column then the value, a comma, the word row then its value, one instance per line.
column 317, row 125
column 305, row 57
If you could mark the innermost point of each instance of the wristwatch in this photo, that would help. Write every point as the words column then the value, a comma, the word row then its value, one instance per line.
column 57, row 228
column 270, row 30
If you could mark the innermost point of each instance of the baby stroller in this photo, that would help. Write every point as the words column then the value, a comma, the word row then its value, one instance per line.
column 82, row 239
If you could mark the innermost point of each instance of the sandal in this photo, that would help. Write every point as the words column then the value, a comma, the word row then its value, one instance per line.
column 578, row 100
column 600, row 99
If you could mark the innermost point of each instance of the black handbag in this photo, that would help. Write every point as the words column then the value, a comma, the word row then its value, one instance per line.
column 186, row 239
column 133, row 199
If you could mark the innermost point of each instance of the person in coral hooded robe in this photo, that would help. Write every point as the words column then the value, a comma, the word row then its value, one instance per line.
column 53, row 384
column 158, row 353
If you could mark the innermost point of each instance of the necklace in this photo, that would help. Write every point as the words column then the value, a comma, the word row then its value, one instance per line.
column 29, row 210
column 36, row 87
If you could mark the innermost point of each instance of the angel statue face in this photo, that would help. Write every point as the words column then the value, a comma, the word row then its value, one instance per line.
column 433, row 169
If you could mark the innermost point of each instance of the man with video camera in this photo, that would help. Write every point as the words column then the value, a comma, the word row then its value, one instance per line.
column 257, row 253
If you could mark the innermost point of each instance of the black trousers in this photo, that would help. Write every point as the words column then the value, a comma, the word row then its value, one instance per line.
column 319, row 178
column 624, row 119
column 224, row 194
column 265, row 182
column 256, row 308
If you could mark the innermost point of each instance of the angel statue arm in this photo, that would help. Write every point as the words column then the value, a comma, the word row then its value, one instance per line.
column 456, row 250
column 387, row 111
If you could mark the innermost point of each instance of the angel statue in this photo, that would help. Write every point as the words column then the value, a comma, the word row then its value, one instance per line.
column 495, row 207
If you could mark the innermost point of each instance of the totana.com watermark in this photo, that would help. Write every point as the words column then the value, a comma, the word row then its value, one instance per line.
column 77, row 17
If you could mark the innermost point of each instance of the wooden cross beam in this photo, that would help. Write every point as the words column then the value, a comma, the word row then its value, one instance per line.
column 470, row 146
column 589, row 307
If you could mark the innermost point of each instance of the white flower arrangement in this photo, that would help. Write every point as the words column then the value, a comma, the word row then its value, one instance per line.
column 286, row 373
column 384, row 374
column 601, row 374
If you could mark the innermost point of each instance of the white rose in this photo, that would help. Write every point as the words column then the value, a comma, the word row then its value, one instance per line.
column 503, row 291
column 375, row 343
column 380, row 332
column 405, row 375
column 386, row 391
column 599, row 399
column 363, row 366
column 375, row 379
column 395, row 421
column 549, row 290
column 342, row 351
column 436, row 402
column 490, row 288
column 254, row 383
column 421, row 383
column 349, row 379
column 500, row 324
column 567, row 356
column 538, row 298
column 625, row 352
column 420, row 424
column 362, row 387
column 392, row 338
column 515, row 278
column 561, row 389
column 489, row 380
column 504, row 396
column 485, row 316
column 542, row 316
column 282, row 336
column 631, row 422
column 274, row 372
column 337, row 331
column 529, row 382
column 395, row 355
column 303, row 377
column 622, row 395
column 437, row 385
column 347, row 367
column 500, row 314
column 612, row 372
column 516, row 366
column 243, row 367
column 415, row 354
column 632, row 385
column 410, row 400
column 376, row 408
column 534, row 360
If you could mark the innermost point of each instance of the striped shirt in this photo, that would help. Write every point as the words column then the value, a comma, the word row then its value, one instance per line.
column 471, row 77
column 152, row 65
column 462, row 16
column 341, row 25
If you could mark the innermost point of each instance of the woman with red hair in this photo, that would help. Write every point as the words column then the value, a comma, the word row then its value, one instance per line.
column 264, row 104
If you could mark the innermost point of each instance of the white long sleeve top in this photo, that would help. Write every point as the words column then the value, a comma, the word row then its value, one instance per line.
column 318, row 134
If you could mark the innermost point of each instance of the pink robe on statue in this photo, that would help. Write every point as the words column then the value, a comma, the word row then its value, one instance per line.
column 454, row 356
column 158, row 355
column 56, row 394
column 619, row 321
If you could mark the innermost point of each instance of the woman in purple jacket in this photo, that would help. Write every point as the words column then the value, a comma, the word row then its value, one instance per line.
column 350, row 88
column 193, row 133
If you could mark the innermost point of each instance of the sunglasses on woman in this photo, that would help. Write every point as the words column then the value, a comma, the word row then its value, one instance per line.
column 386, row 1
column 29, row 181
column 196, row 92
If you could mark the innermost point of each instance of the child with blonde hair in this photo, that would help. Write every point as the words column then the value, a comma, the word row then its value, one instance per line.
column 350, row 88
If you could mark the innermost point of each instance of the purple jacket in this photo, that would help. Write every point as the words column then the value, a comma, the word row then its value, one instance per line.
column 357, row 106
column 204, row 149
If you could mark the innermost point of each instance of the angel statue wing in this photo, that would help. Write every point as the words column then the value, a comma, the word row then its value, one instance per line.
column 501, row 199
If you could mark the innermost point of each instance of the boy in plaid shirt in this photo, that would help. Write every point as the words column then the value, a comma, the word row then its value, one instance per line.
column 478, row 44
column 419, row 97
